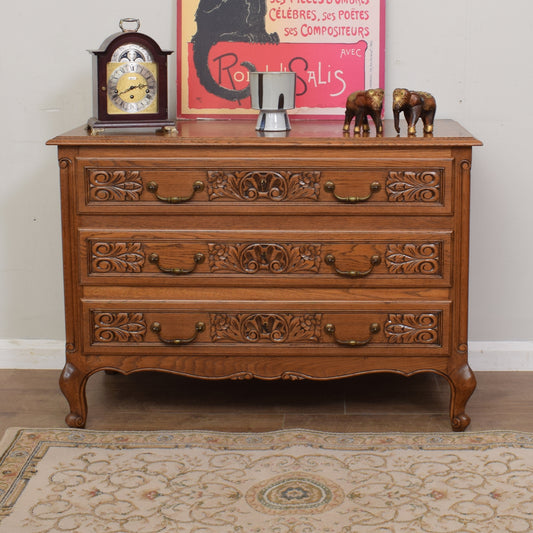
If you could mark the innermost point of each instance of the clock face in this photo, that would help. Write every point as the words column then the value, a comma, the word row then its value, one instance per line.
column 131, row 85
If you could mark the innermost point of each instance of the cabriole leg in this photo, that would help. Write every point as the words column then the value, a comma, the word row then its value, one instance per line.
column 72, row 383
column 462, row 384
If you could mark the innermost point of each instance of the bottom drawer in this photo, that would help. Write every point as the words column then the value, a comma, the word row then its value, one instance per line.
column 266, row 328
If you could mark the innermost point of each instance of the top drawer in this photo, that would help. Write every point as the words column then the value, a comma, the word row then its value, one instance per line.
column 172, row 186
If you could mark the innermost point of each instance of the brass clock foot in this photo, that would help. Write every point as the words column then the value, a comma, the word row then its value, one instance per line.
column 168, row 130
column 95, row 131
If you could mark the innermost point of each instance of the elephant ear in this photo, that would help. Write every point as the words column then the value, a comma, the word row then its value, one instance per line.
column 415, row 98
column 428, row 102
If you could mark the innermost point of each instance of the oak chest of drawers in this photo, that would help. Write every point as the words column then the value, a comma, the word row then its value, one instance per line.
column 219, row 253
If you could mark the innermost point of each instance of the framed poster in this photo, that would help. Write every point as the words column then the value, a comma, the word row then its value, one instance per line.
column 335, row 47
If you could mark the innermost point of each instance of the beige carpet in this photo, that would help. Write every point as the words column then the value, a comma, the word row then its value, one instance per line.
column 59, row 480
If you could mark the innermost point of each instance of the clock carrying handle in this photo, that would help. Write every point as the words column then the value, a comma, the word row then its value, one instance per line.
column 129, row 21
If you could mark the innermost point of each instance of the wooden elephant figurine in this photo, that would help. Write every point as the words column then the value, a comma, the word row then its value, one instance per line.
column 415, row 105
column 361, row 104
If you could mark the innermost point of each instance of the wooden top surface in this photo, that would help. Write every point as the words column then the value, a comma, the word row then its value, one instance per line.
column 303, row 133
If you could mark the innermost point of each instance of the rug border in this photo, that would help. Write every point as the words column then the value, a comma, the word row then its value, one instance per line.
column 439, row 438
column 7, row 439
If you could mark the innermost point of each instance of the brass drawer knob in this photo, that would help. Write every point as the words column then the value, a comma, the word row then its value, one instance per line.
column 330, row 187
column 330, row 330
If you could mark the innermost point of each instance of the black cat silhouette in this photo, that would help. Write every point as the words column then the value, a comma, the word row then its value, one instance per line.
column 227, row 21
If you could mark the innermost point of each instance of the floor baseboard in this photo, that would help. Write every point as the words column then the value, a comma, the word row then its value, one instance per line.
column 50, row 354
column 501, row 355
column 36, row 354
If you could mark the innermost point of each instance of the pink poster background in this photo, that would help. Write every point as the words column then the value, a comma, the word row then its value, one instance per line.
column 331, row 58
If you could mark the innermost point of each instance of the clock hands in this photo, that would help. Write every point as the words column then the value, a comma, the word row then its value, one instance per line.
column 133, row 87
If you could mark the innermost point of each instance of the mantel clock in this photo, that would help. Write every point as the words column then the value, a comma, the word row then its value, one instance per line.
column 130, row 82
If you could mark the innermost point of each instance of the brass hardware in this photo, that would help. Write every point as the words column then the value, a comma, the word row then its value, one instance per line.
column 374, row 261
column 197, row 186
column 168, row 131
column 94, row 131
column 330, row 187
column 330, row 330
column 156, row 328
column 198, row 258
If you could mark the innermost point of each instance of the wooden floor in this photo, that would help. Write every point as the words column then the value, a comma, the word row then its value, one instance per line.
column 384, row 402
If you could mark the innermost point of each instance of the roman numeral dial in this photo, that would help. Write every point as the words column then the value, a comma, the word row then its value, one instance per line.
column 132, row 88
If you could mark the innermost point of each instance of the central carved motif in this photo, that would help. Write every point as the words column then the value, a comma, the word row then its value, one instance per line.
column 114, row 185
column 263, row 185
column 271, row 257
column 265, row 327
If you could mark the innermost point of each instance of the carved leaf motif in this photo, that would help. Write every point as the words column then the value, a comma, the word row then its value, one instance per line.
column 115, row 185
column 263, row 185
column 273, row 258
column 265, row 327
column 410, row 328
column 413, row 258
column 119, row 327
column 410, row 186
column 119, row 257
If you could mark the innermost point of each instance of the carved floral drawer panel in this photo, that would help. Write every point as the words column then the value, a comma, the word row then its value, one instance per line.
column 359, row 259
column 275, row 329
column 418, row 186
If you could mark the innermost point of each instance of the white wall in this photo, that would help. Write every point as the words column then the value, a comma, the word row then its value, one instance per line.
column 473, row 55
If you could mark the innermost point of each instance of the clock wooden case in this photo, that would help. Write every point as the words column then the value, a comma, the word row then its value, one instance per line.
column 130, row 81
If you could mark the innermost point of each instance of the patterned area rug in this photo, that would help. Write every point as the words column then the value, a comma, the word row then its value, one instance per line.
column 60, row 480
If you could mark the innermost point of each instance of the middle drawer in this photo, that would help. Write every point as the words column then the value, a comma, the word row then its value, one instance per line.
column 378, row 259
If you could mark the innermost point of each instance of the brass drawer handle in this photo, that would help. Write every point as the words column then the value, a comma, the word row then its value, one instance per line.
column 156, row 328
column 374, row 261
column 330, row 330
column 198, row 258
column 197, row 186
column 330, row 187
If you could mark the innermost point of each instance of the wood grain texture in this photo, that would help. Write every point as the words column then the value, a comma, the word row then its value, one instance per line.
column 218, row 253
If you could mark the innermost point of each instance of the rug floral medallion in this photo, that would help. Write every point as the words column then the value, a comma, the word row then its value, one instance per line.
column 292, row 481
